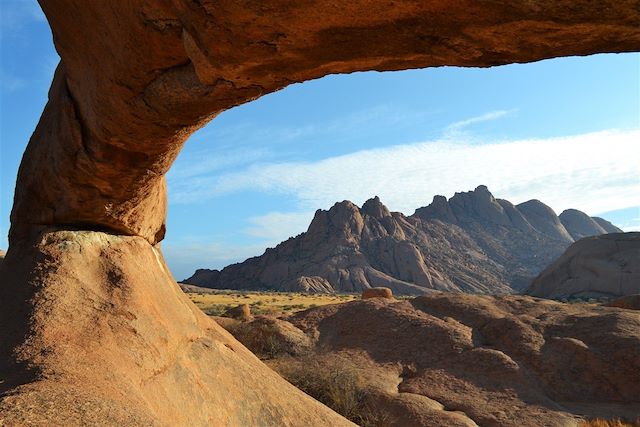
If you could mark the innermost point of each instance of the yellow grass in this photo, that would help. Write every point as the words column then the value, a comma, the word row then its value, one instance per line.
column 607, row 423
column 216, row 302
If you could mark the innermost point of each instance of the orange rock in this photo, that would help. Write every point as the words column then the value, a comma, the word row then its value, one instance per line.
column 112, row 340
column 630, row 302
column 377, row 293
column 240, row 312
column 127, row 97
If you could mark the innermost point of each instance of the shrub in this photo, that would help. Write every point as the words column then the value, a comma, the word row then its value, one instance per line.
column 335, row 384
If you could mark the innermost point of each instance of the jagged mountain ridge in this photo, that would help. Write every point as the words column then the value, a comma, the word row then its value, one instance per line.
column 469, row 243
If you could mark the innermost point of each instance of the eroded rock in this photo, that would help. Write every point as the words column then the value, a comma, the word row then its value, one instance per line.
column 100, row 333
column 94, row 329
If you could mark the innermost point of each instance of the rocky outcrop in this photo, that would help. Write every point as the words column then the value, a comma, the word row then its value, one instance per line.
column 123, row 101
column 545, row 220
column 239, row 312
column 377, row 293
column 112, row 340
column 437, row 360
column 606, row 225
column 580, row 225
column 600, row 266
column 469, row 243
column 630, row 302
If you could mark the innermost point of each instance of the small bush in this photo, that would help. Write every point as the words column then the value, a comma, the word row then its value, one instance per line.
column 216, row 309
column 337, row 385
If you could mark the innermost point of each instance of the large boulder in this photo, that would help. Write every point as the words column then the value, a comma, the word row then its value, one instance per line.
column 239, row 312
column 599, row 266
column 377, row 293
column 99, row 333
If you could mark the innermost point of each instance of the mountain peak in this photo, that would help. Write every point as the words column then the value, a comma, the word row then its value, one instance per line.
column 579, row 224
column 482, row 190
column 469, row 243
column 438, row 209
column 344, row 216
column 544, row 219
column 375, row 208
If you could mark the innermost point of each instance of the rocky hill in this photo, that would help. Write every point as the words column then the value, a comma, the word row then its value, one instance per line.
column 469, row 243
column 437, row 360
column 596, row 266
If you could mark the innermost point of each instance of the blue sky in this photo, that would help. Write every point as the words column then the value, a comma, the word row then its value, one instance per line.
column 565, row 131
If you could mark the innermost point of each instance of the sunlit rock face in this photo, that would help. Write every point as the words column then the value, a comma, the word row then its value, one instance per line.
column 135, row 80
column 470, row 243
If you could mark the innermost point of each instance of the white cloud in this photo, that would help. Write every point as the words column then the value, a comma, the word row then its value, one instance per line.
column 594, row 172
column 278, row 226
column 456, row 129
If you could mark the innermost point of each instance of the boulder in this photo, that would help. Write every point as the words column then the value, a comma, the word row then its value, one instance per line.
column 377, row 293
column 114, row 341
column 630, row 302
column 239, row 312
column 599, row 266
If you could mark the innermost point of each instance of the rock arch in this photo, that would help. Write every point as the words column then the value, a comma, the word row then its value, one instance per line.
column 84, row 283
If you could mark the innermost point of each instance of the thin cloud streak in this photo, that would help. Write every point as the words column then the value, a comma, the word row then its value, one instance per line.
column 456, row 129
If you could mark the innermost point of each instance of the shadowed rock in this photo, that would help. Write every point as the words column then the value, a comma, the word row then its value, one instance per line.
column 606, row 265
column 580, row 225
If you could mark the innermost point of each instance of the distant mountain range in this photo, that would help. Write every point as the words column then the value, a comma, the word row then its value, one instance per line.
column 469, row 243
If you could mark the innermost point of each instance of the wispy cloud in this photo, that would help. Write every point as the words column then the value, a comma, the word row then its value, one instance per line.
column 338, row 128
column 275, row 227
column 594, row 172
column 456, row 129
